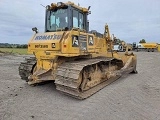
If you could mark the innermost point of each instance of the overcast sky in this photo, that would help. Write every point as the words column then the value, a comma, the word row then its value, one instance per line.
column 129, row 20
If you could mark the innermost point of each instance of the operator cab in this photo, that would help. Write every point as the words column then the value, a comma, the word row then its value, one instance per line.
column 65, row 16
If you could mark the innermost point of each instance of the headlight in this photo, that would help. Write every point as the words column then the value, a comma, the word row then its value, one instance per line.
column 47, row 7
column 59, row 4
column 53, row 6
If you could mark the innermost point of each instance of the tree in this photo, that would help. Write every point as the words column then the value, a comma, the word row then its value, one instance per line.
column 142, row 41
column 117, row 41
column 25, row 46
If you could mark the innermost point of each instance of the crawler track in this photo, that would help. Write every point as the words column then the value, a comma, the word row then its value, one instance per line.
column 25, row 68
column 73, row 78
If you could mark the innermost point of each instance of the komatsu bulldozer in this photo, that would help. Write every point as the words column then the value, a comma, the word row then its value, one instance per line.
column 76, row 59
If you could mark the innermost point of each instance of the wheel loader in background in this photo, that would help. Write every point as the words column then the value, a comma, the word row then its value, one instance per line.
column 74, row 57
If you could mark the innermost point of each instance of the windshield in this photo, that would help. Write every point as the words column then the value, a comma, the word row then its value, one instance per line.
column 57, row 20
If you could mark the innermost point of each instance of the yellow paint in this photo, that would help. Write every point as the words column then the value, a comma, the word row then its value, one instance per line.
column 53, row 48
column 149, row 45
column 85, row 10
column 159, row 47
column 41, row 45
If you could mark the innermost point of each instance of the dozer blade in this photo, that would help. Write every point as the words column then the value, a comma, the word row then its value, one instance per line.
column 40, row 76
column 25, row 68
column 26, row 72
column 81, row 79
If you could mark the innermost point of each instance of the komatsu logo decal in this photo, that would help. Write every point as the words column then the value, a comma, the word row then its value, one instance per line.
column 48, row 37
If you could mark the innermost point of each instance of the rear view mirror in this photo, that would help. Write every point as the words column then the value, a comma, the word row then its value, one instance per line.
column 35, row 29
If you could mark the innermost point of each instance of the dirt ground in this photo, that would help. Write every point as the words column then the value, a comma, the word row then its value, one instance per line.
column 132, row 97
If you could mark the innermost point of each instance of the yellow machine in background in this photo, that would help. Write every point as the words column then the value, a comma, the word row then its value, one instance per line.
column 125, row 45
column 121, row 46
column 74, row 57
column 159, row 47
column 150, row 47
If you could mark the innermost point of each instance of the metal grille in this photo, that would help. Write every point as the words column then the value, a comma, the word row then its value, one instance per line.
column 83, row 37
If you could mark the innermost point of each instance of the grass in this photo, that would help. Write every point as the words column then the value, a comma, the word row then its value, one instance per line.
column 22, row 51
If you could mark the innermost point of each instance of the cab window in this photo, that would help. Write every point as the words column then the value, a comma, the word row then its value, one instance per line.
column 75, row 18
column 78, row 20
column 81, row 21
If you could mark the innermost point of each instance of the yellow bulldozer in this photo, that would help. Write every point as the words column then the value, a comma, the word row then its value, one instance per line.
column 76, row 59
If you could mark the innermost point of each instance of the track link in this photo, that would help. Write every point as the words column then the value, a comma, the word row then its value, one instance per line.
column 68, row 74
column 25, row 68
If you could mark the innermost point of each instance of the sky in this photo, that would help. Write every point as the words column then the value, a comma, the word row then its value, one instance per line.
column 129, row 20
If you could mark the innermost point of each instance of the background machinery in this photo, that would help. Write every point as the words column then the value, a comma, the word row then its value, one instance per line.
column 134, row 47
column 74, row 57
column 121, row 46
column 150, row 47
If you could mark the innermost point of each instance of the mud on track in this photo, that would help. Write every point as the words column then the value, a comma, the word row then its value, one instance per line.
column 131, row 97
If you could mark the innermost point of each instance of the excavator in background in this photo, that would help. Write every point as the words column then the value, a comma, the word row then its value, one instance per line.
column 123, row 46
column 76, row 59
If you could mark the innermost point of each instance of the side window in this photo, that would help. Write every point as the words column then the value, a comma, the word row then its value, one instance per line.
column 57, row 21
column 75, row 18
column 66, row 19
column 52, row 20
column 81, row 21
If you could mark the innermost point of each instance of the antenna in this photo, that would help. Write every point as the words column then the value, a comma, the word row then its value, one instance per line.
column 89, row 7
column 42, row 5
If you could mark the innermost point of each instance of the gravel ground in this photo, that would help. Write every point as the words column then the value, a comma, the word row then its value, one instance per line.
column 132, row 97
